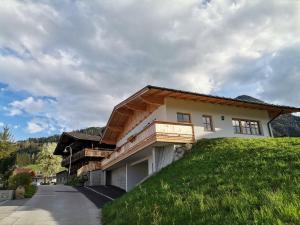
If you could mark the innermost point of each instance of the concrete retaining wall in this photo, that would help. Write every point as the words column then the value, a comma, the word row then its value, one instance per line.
column 6, row 195
column 164, row 156
column 136, row 173
column 118, row 177
column 96, row 177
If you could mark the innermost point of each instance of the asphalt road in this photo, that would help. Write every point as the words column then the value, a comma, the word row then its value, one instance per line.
column 52, row 205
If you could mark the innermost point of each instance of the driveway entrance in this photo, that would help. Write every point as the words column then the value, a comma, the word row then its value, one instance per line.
column 54, row 205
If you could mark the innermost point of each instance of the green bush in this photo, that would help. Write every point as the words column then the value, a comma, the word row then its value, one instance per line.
column 21, row 179
column 30, row 190
column 76, row 181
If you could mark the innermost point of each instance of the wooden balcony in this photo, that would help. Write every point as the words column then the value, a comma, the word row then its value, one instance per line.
column 90, row 153
column 157, row 131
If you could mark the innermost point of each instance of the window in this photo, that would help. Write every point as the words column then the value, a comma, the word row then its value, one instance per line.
column 207, row 122
column 246, row 127
column 236, row 126
column 183, row 117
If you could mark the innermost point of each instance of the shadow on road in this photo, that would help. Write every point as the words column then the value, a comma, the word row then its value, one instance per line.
column 100, row 200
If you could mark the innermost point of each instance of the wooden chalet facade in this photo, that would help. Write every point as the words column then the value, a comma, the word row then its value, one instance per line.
column 87, row 152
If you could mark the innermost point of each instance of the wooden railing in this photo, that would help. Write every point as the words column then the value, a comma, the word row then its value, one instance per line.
column 85, row 153
column 158, row 131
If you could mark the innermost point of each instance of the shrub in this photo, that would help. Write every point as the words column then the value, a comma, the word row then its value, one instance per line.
column 21, row 179
column 76, row 181
column 30, row 190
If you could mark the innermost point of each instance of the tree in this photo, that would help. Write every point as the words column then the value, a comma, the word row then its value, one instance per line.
column 7, row 153
column 49, row 163
column 7, row 147
column 5, row 135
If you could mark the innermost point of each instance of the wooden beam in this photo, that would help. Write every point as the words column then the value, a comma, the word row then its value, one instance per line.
column 163, row 93
column 152, row 100
column 116, row 128
column 136, row 107
column 109, row 141
column 126, row 112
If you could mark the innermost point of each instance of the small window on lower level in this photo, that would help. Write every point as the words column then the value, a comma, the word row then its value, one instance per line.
column 183, row 117
column 207, row 123
column 246, row 127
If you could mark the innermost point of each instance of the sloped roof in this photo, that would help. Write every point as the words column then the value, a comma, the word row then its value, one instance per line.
column 24, row 170
column 82, row 136
column 68, row 138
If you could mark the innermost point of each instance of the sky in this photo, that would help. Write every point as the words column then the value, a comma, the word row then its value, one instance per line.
column 64, row 64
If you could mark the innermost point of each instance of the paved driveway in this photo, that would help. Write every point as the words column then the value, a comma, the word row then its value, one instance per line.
column 55, row 205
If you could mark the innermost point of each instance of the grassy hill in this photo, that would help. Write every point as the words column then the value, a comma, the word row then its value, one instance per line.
column 222, row 181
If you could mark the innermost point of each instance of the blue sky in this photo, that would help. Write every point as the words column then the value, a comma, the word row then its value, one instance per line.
column 18, row 120
column 65, row 64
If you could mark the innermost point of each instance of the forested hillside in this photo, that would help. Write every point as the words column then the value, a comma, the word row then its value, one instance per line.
column 25, row 152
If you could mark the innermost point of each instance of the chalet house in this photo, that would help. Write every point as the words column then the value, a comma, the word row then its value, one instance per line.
column 154, row 127
column 86, row 151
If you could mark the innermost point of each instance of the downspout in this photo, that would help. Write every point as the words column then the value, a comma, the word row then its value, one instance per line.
column 269, row 123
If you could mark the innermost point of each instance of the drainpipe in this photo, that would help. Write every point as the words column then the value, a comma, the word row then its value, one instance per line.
column 269, row 123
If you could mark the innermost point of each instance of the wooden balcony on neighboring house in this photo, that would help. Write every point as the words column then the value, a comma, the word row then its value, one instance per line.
column 86, row 153
column 158, row 131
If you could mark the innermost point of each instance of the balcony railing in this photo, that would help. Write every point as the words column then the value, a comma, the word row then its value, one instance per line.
column 85, row 153
column 157, row 131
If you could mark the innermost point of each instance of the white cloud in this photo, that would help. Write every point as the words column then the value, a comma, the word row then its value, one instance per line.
column 29, row 105
column 33, row 127
column 1, row 124
column 89, row 55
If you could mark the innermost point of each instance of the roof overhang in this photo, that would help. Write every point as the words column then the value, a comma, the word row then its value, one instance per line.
column 151, row 97
column 68, row 138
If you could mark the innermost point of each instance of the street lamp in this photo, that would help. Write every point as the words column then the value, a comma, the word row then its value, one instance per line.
column 69, row 149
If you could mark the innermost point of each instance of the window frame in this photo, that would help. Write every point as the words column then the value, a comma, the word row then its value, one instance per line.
column 251, row 127
column 184, row 114
column 212, row 129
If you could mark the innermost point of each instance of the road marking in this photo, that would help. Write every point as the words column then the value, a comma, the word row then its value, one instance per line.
column 41, row 195
column 99, row 193
column 1, row 203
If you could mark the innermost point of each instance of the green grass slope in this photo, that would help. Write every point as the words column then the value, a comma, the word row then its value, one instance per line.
column 222, row 181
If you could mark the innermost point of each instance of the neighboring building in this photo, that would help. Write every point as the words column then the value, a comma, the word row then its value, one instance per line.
column 62, row 177
column 86, row 150
column 151, row 128
column 19, row 170
column 39, row 179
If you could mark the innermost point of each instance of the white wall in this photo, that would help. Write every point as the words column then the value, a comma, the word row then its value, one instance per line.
column 163, row 156
column 95, row 177
column 118, row 177
column 223, row 128
column 158, row 114
column 136, row 173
